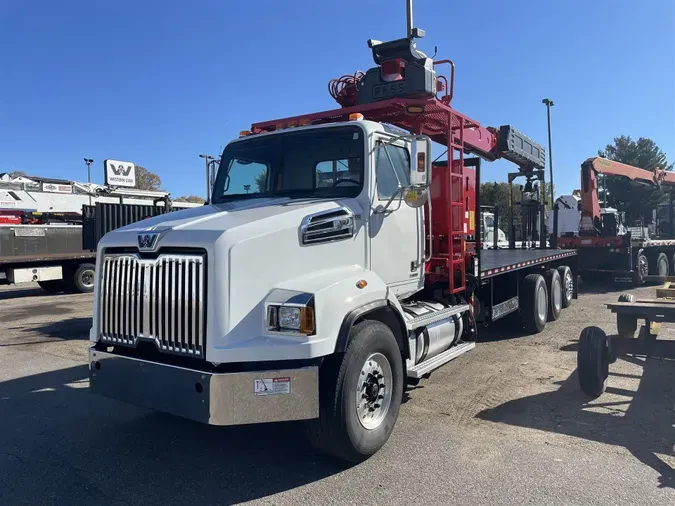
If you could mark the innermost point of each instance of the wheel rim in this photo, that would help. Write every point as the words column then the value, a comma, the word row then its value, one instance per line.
column 557, row 294
column 642, row 266
column 374, row 390
column 87, row 278
column 569, row 286
column 541, row 303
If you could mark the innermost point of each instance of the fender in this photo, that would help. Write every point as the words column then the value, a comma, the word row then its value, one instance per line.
column 339, row 302
column 365, row 309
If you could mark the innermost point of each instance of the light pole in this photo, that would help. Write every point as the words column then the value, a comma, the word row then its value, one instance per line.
column 89, row 161
column 549, row 103
column 247, row 187
column 207, row 160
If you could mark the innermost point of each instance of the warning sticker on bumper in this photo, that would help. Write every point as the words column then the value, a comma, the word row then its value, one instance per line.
column 272, row 386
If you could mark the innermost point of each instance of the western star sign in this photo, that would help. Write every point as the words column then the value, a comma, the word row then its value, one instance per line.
column 119, row 173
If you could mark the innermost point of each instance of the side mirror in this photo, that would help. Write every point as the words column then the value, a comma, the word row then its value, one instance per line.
column 420, row 166
column 420, row 172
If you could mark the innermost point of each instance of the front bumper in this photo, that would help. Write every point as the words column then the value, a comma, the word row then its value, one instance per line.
column 213, row 398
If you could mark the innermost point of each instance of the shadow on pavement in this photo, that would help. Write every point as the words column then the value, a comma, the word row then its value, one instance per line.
column 645, row 428
column 60, row 444
column 70, row 329
column 24, row 292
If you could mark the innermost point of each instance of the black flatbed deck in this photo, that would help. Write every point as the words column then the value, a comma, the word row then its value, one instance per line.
column 496, row 261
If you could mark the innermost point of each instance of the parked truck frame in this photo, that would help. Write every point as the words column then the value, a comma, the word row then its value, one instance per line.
column 332, row 268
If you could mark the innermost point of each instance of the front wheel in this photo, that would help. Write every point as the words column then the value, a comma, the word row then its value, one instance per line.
column 82, row 280
column 360, row 394
column 593, row 359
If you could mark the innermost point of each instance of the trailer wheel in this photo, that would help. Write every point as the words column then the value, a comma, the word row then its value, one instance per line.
column 626, row 324
column 360, row 394
column 661, row 267
column 593, row 361
column 567, row 285
column 52, row 286
column 672, row 265
column 555, row 294
column 82, row 280
column 642, row 268
column 533, row 303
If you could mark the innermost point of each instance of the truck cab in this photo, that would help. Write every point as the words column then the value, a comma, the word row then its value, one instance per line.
column 308, row 230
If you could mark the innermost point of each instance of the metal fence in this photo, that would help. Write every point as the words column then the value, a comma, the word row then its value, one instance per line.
column 99, row 219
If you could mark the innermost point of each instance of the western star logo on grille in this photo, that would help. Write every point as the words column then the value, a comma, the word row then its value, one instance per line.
column 147, row 241
column 119, row 173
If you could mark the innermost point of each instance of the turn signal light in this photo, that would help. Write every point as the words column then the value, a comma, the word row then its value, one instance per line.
column 421, row 158
column 355, row 116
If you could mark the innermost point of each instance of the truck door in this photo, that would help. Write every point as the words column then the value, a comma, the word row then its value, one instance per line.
column 397, row 234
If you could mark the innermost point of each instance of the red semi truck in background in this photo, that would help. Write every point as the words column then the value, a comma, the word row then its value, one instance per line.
column 613, row 248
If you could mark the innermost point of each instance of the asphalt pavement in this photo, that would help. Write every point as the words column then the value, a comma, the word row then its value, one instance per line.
column 504, row 424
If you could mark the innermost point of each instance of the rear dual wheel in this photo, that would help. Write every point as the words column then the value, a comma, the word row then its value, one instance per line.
column 534, row 303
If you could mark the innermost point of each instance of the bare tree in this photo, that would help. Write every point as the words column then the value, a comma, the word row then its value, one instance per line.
column 146, row 180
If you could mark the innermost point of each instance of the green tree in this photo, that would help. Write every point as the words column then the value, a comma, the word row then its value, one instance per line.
column 192, row 198
column 636, row 200
column 260, row 181
column 146, row 180
column 643, row 153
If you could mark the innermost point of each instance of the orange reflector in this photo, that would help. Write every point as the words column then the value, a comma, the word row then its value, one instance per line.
column 244, row 133
column 306, row 320
column 415, row 109
column 304, row 122
column 361, row 283
column 355, row 116
column 420, row 162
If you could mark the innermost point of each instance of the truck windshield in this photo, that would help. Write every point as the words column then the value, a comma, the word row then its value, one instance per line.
column 323, row 163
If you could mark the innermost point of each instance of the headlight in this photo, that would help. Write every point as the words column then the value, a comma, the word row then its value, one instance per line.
column 289, row 318
column 297, row 319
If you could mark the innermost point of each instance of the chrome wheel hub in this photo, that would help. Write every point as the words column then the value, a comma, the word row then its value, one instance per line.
column 374, row 390
column 569, row 286
column 88, row 278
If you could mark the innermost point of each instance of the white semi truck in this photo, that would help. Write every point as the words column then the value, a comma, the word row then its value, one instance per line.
column 330, row 269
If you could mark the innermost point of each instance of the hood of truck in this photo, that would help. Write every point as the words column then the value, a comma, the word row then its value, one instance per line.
column 252, row 247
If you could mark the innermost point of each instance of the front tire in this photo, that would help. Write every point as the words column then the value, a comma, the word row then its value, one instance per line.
column 360, row 394
column 83, row 278
column 593, row 360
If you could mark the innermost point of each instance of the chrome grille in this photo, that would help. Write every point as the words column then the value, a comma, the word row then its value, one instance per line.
column 162, row 300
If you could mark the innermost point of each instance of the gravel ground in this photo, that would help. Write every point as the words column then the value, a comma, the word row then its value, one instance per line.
column 503, row 424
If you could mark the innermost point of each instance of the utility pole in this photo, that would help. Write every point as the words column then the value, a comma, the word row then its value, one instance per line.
column 89, row 161
column 207, row 161
column 549, row 103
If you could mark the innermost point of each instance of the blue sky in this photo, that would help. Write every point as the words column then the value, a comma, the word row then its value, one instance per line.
column 158, row 82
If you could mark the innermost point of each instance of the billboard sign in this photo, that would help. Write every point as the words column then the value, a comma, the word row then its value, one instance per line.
column 119, row 173
column 57, row 188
